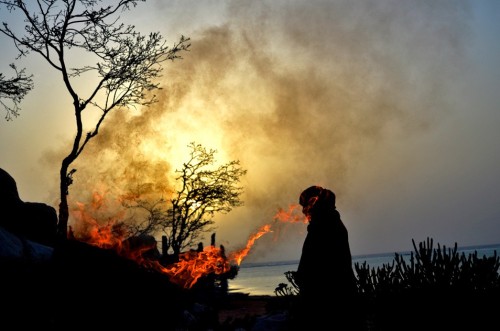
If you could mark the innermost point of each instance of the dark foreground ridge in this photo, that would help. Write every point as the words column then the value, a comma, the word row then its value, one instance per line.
column 54, row 284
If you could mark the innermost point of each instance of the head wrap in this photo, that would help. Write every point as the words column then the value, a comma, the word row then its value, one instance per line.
column 316, row 197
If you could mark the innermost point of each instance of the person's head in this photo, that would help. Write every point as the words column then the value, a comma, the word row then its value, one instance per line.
column 316, row 198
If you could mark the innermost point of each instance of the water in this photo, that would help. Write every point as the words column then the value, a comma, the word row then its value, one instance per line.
column 263, row 278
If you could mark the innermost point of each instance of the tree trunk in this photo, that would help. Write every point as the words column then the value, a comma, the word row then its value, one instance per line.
column 62, row 225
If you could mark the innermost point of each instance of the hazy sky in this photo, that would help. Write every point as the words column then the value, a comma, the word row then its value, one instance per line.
column 392, row 104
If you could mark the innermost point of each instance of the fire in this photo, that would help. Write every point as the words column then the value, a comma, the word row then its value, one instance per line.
column 240, row 255
column 293, row 215
column 107, row 236
column 191, row 265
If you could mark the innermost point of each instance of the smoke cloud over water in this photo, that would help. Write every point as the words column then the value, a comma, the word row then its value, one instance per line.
column 302, row 93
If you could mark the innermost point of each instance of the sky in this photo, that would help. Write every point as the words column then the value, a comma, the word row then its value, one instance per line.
column 391, row 104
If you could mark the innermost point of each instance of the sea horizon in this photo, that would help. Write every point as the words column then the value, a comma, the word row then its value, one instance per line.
column 262, row 278
column 246, row 264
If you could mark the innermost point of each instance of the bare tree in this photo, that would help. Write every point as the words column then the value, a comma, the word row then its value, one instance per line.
column 127, row 63
column 14, row 89
column 202, row 192
column 152, row 221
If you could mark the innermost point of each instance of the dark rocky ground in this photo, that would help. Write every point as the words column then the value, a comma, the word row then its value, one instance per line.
column 87, row 287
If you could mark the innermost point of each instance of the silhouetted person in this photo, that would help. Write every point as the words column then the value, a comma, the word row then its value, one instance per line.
column 324, row 275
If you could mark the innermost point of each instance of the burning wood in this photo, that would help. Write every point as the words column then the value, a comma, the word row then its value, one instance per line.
column 191, row 265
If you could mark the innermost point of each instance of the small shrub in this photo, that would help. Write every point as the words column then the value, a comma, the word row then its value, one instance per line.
column 436, row 288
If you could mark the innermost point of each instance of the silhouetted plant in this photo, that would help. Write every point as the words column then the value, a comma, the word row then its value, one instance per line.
column 284, row 289
column 13, row 90
column 436, row 287
column 428, row 267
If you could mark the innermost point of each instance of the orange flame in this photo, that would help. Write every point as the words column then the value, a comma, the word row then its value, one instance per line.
column 98, row 235
column 107, row 236
column 240, row 255
column 291, row 216
column 192, row 265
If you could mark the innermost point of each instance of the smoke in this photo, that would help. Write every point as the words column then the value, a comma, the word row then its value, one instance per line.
column 301, row 92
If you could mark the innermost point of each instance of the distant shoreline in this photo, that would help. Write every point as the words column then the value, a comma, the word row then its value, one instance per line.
column 361, row 256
